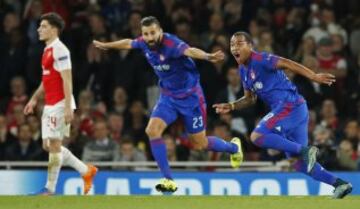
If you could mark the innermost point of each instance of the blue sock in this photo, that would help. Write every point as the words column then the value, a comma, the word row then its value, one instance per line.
column 219, row 145
column 318, row 173
column 158, row 149
column 275, row 141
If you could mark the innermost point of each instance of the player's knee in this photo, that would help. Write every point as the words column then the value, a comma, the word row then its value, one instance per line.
column 55, row 146
column 254, row 136
column 152, row 132
column 46, row 147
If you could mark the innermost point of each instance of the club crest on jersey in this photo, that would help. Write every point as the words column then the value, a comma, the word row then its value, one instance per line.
column 46, row 72
column 258, row 85
column 252, row 74
column 162, row 58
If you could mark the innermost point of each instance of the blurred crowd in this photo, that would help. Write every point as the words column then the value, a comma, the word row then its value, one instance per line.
column 116, row 90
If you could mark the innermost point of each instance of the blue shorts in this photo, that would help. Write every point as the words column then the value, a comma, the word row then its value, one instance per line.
column 192, row 109
column 289, row 120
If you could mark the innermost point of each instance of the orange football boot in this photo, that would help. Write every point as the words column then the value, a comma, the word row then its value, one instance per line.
column 89, row 177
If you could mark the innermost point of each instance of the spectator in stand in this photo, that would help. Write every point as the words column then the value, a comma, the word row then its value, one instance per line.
column 331, row 63
column 328, row 116
column 216, row 27
column 84, row 111
column 129, row 153
column 18, row 95
column 318, row 29
column 134, row 26
column 101, row 148
column 323, row 139
column 347, row 156
column 136, row 122
column 97, row 26
column 116, row 126
column 16, row 119
column 351, row 133
column 35, row 127
column 120, row 101
column 184, row 32
column 12, row 51
column 24, row 148
column 305, row 49
column 5, row 137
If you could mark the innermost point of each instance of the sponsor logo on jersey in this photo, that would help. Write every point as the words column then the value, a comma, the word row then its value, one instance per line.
column 162, row 67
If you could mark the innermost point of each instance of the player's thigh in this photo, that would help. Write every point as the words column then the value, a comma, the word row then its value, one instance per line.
column 267, row 124
column 53, row 124
column 162, row 115
column 194, row 118
column 281, row 120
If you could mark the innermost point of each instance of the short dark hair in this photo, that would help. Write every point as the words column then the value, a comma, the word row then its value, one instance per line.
column 147, row 21
column 126, row 139
column 220, row 123
column 54, row 20
column 247, row 36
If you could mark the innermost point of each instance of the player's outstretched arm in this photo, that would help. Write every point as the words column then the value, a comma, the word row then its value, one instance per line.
column 121, row 44
column 200, row 54
column 324, row 78
column 29, row 107
column 247, row 100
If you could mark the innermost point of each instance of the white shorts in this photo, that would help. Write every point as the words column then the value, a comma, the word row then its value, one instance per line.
column 53, row 123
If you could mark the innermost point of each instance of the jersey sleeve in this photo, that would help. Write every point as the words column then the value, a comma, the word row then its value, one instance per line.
column 269, row 61
column 62, row 59
column 177, row 47
column 137, row 43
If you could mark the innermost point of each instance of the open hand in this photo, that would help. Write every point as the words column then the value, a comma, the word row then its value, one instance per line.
column 222, row 108
column 99, row 45
column 324, row 78
column 29, row 108
column 68, row 115
column 216, row 56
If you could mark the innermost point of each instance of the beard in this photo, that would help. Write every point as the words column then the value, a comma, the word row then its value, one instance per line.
column 154, row 44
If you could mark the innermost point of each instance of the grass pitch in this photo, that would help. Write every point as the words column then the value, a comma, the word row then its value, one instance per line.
column 176, row 202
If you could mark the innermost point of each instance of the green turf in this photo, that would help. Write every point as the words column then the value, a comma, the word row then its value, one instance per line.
column 176, row 202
